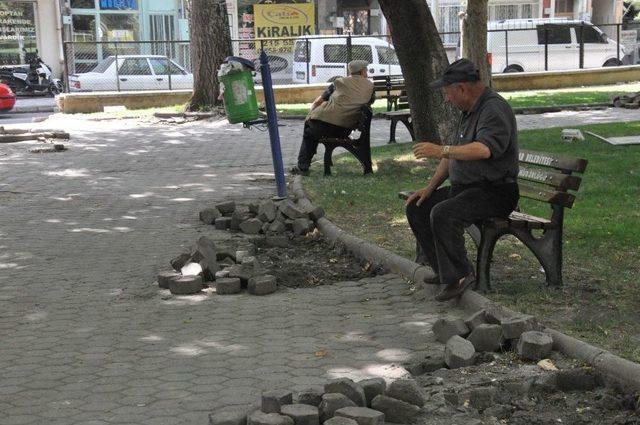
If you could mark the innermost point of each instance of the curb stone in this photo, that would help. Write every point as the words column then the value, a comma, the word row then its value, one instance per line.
column 621, row 373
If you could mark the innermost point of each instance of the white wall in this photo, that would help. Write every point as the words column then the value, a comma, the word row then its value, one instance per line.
column 48, row 35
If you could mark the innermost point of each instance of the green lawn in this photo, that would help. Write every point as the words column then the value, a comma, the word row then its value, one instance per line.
column 600, row 301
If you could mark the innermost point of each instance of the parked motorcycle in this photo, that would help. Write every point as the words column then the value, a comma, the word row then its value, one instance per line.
column 36, row 79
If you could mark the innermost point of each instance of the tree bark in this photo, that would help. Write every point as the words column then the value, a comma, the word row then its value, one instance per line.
column 474, row 35
column 210, row 45
column 422, row 59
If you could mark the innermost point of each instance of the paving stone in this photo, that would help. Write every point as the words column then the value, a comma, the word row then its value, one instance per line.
column 340, row 420
column 332, row 402
column 316, row 213
column 426, row 363
column 280, row 241
column 407, row 390
column 289, row 209
column 240, row 254
column 349, row 388
column 301, row 226
column 310, row 396
column 237, row 417
column 445, row 328
column 482, row 398
column 186, row 285
column 396, row 411
column 513, row 327
column 534, row 345
column 228, row 286
column 476, row 319
column 165, row 277
column 223, row 223
column 261, row 418
column 486, row 337
column 262, row 285
column 272, row 401
column 494, row 314
column 458, row 352
column 302, row 414
column 578, row 379
column 251, row 226
column 209, row 215
column 243, row 271
column 178, row 262
column 362, row 415
column 205, row 254
column 226, row 262
column 236, row 218
column 276, row 227
column 254, row 207
column 267, row 211
column 372, row 387
column 226, row 208
column 221, row 274
column 191, row 269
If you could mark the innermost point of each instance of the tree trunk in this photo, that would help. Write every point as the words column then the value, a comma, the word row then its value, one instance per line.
column 422, row 59
column 474, row 35
column 210, row 45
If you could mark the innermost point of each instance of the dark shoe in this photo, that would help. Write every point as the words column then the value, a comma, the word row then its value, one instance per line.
column 456, row 289
column 432, row 280
column 298, row 170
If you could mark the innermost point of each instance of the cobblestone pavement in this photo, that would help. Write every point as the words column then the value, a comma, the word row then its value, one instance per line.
column 86, row 336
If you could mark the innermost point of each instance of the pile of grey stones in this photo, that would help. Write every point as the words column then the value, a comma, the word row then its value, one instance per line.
column 278, row 220
column 341, row 402
column 486, row 332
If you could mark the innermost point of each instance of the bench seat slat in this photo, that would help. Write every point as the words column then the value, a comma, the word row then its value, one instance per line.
column 557, row 180
column 538, row 193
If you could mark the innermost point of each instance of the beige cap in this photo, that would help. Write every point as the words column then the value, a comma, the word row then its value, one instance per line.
column 356, row 66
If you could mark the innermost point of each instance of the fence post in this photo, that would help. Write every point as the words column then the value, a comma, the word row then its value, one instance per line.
column 546, row 48
column 506, row 47
column 618, row 41
column 306, row 48
column 582, row 45
column 348, row 51
column 117, row 67
column 65, row 57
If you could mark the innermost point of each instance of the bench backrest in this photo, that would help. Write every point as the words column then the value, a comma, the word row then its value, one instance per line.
column 393, row 88
column 550, row 178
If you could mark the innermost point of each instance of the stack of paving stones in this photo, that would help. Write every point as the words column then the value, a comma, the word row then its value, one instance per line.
column 471, row 341
column 341, row 402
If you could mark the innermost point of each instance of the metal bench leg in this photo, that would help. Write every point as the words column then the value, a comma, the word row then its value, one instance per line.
column 407, row 123
column 328, row 151
column 548, row 251
column 489, row 237
column 392, row 131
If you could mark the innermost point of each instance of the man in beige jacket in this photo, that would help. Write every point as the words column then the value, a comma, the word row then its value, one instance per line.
column 335, row 113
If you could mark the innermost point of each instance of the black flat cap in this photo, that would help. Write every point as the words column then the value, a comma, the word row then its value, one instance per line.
column 460, row 71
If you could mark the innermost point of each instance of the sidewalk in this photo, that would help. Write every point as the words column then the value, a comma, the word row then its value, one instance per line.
column 90, row 339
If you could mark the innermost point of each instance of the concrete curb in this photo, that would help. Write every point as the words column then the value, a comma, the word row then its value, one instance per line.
column 32, row 109
column 618, row 372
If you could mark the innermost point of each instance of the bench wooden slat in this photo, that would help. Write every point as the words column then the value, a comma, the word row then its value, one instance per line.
column 557, row 180
column 559, row 162
column 539, row 193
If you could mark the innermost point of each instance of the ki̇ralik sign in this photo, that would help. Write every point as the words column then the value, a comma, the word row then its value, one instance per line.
column 283, row 20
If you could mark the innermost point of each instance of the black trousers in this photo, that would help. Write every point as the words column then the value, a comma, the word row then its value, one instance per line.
column 439, row 222
column 314, row 130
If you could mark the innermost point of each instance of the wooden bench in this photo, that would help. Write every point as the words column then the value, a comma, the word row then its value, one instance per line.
column 543, row 177
column 394, row 91
column 360, row 147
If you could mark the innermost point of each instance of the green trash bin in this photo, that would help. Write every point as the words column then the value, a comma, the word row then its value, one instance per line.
column 239, row 97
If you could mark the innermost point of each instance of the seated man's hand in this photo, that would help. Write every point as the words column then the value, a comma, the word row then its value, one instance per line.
column 420, row 195
column 427, row 150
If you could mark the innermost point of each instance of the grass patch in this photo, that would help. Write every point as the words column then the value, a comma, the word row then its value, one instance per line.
column 601, row 296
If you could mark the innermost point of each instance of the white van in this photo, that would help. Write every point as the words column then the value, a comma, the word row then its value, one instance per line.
column 518, row 45
column 318, row 58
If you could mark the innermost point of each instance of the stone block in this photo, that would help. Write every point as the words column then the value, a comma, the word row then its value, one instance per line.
column 579, row 379
column 482, row 398
column 407, row 390
column 349, row 388
column 534, row 345
column 340, row 420
column 362, row 415
column 262, row 285
column 179, row 262
column 221, row 274
column 279, row 241
column 223, row 223
column 191, row 269
column 226, row 262
column 272, row 401
column 302, row 414
column 277, row 227
column 226, row 208
column 426, row 363
column 372, row 387
column 209, row 215
column 396, row 411
column 290, row 209
column 164, row 278
column 251, row 226
column 459, row 352
column 205, row 251
column 310, row 396
column 237, row 217
column 237, row 417
column 254, row 207
column 261, row 418
column 241, row 254
column 444, row 329
column 288, row 224
column 513, row 327
column 267, row 211
column 228, row 286
column 476, row 319
column 316, row 213
column 186, row 285
column 301, row 226
column 494, row 314
column 332, row 402
column 242, row 271
column 486, row 337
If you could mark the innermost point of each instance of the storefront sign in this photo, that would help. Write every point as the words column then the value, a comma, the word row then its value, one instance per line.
column 17, row 31
column 118, row 5
column 283, row 20
column 629, row 39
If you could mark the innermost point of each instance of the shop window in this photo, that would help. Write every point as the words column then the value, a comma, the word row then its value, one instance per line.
column 564, row 6
column 17, row 32
column 83, row 4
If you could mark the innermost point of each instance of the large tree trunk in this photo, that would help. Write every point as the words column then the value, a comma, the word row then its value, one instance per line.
column 474, row 33
column 210, row 45
column 422, row 59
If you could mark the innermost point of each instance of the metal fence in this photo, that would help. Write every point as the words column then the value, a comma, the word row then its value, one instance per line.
column 155, row 65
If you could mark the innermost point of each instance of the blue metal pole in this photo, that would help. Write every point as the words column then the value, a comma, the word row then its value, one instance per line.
column 272, row 122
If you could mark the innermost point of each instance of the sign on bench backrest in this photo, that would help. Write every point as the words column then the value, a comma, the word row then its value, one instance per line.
column 566, row 164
